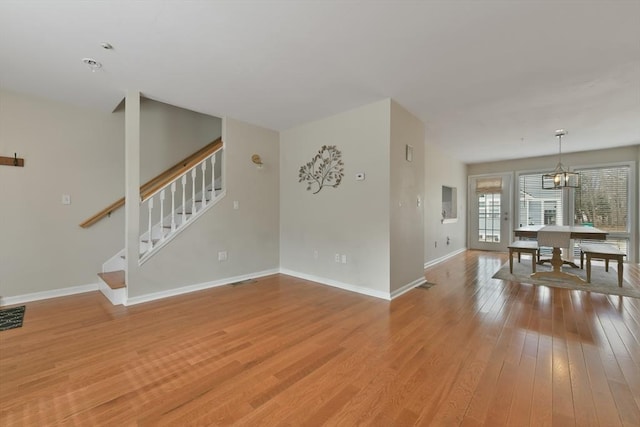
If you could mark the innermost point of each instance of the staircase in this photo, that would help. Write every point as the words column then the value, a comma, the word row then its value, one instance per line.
column 167, row 208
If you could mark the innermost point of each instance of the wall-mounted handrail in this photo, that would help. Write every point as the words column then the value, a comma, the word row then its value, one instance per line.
column 159, row 181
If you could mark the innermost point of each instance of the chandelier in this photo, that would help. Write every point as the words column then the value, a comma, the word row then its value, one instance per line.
column 560, row 177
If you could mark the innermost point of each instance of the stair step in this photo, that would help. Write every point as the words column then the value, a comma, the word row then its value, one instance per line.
column 115, row 279
column 147, row 241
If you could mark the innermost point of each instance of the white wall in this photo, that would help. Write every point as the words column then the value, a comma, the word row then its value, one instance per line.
column 249, row 234
column 406, row 186
column 352, row 219
column 67, row 150
column 441, row 169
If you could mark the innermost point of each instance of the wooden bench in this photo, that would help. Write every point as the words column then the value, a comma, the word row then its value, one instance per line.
column 601, row 251
column 526, row 246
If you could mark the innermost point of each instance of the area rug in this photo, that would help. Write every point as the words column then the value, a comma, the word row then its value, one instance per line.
column 601, row 282
column 11, row 317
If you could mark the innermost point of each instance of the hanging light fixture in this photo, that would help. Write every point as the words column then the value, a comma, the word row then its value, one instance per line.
column 560, row 177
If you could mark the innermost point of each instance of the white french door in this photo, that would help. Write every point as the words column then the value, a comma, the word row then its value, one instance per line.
column 490, row 221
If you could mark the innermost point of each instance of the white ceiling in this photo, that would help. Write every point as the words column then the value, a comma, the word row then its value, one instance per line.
column 490, row 79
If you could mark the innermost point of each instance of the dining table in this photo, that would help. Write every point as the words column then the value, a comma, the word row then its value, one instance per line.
column 559, row 237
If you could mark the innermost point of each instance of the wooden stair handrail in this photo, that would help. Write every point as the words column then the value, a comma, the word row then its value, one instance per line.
column 152, row 186
column 155, row 185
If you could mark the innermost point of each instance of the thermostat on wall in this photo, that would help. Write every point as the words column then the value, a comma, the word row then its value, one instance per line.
column 360, row 176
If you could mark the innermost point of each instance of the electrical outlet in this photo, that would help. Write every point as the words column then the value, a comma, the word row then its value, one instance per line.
column 315, row 254
column 222, row 256
column 337, row 257
column 344, row 259
column 236, row 204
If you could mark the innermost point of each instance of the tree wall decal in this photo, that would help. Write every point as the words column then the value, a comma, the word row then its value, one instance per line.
column 324, row 169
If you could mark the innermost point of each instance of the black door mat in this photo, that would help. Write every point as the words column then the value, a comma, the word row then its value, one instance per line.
column 11, row 317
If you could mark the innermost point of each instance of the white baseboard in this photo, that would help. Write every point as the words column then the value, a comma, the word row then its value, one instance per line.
column 336, row 284
column 55, row 293
column 197, row 287
column 406, row 288
column 443, row 258
column 36, row 296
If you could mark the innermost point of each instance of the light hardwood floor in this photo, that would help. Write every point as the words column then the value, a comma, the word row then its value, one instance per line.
column 470, row 351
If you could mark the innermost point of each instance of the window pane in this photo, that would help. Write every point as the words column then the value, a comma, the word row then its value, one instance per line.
column 538, row 206
column 602, row 198
column 489, row 217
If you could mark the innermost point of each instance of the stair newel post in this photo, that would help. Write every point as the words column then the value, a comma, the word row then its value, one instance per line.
column 162, row 213
column 184, row 198
column 213, row 176
column 204, row 183
column 173, row 206
column 194, row 171
column 150, row 244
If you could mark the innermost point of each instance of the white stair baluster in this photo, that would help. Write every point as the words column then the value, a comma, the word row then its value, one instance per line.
column 204, row 188
column 150, row 244
column 162, row 214
column 193, row 191
column 184, row 201
column 173, row 206
column 221, row 166
column 213, row 176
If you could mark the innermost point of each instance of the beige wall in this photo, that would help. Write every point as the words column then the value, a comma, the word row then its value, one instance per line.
column 352, row 219
column 249, row 234
column 79, row 152
column 441, row 169
column 406, row 187
column 67, row 150
column 168, row 134
column 583, row 158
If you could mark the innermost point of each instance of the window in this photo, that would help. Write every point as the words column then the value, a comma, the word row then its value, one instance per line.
column 538, row 206
column 601, row 201
column 489, row 217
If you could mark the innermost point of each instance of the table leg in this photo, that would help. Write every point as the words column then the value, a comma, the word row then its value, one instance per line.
column 557, row 273
column 620, row 271
column 568, row 262
column 510, row 260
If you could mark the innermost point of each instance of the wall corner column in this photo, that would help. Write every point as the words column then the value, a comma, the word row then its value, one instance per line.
column 132, row 184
